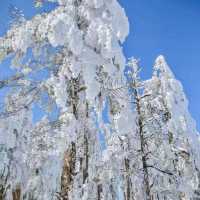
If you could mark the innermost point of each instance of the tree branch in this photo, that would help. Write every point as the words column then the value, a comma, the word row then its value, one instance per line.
column 160, row 170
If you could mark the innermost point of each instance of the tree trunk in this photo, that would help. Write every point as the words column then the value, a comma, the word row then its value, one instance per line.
column 143, row 147
column 128, row 184
column 16, row 194
column 68, row 171
column 86, row 149
column 99, row 191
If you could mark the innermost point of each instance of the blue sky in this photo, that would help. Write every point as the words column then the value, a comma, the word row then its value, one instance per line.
column 168, row 27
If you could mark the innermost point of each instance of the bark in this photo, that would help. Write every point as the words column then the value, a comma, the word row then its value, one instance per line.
column 86, row 154
column 142, row 146
column 197, row 191
column 16, row 194
column 128, row 181
column 3, row 184
column 99, row 191
column 68, row 172
column 112, row 191
column 2, row 192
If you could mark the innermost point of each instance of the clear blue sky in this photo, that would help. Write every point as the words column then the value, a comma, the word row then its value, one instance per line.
column 168, row 27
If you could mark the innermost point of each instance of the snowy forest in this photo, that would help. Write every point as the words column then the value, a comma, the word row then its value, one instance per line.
column 107, row 134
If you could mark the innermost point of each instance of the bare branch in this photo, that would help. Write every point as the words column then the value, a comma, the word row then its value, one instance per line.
column 160, row 170
column 10, row 80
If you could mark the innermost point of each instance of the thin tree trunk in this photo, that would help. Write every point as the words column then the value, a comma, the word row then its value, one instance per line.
column 143, row 147
column 113, row 194
column 128, row 184
column 85, row 170
column 16, row 194
column 68, row 171
column 3, row 184
column 99, row 191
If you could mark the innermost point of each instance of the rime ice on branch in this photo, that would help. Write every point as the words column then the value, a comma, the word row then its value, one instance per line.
column 146, row 149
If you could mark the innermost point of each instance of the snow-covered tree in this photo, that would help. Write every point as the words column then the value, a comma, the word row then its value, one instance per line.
column 115, row 137
column 70, row 44
column 181, row 146
column 168, row 145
